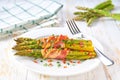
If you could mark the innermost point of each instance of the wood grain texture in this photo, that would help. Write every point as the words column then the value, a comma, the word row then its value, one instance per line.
column 105, row 30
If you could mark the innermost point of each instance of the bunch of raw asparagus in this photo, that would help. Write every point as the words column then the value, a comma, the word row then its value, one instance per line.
column 91, row 14
column 80, row 49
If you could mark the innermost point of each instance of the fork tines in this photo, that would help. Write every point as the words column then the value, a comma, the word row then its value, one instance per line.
column 73, row 27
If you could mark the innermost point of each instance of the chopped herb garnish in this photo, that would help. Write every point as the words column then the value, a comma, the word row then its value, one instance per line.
column 53, row 35
column 41, row 43
column 59, row 65
column 45, row 64
column 58, row 62
column 86, row 52
column 41, row 60
column 74, row 62
column 64, row 41
column 68, row 63
column 60, row 48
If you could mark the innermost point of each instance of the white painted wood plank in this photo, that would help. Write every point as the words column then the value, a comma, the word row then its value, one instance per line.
column 107, row 33
column 104, row 30
column 8, row 69
column 43, row 77
column 17, row 72
column 33, row 75
column 95, row 74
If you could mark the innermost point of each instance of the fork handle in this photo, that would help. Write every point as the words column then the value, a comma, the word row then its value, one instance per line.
column 103, row 58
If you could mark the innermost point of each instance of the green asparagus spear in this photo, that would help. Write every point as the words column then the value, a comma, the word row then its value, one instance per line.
column 108, row 8
column 35, row 46
column 91, row 20
column 103, row 4
column 80, row 47
column 36, row 53
column 21, row 39
column 101, row 12
column 80, row 13
column 32, row 42
column 81, row 53
column 76, row 41
column 79, row 57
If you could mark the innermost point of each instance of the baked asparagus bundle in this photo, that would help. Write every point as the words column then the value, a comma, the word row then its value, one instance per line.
column 55, row 47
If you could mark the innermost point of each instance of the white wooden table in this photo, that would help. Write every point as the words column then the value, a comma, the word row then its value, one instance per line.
column 106, row 31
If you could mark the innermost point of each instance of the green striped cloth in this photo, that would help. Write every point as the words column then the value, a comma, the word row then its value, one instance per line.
column 23, row 16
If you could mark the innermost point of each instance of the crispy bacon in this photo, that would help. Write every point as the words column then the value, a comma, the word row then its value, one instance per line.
column 62, row 37
column 43, row 52
column 54, row 53
column 56, row 41
column 63, row 54
column 51, row 38
column 59, row 44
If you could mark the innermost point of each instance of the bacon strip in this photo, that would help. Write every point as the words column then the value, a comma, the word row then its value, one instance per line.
column 54, row 41
column 63, row 54
column 54, row 53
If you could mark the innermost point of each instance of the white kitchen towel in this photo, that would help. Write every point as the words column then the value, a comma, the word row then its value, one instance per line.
column 22, row 16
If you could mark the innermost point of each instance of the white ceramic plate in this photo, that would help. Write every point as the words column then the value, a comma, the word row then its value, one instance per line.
column 56, row 69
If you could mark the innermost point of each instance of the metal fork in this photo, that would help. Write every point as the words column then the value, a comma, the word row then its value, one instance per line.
column 75, row 30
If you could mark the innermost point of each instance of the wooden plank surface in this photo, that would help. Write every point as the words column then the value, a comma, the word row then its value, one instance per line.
column 105, row 30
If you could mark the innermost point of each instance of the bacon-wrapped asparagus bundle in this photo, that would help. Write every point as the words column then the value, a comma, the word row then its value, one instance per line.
column 55, row 47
